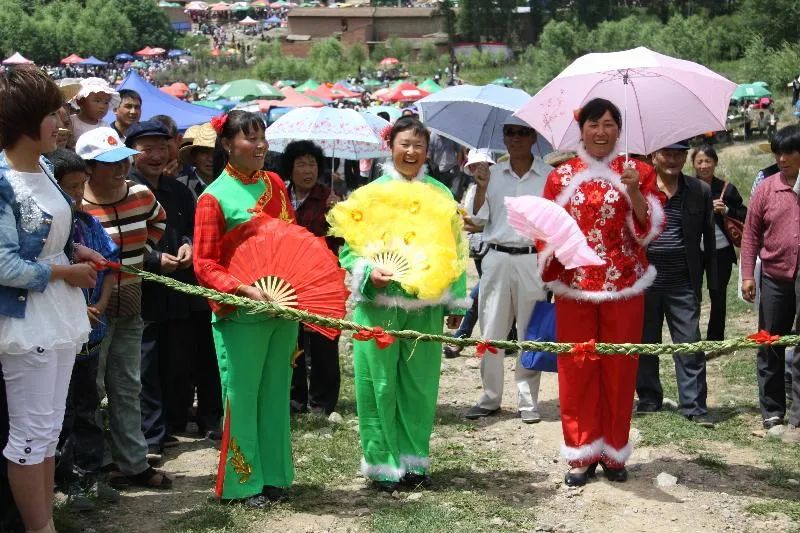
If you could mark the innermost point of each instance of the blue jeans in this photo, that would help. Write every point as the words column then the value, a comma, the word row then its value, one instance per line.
column 471, row 316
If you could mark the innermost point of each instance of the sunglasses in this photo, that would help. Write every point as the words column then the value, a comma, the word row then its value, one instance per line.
column 517, row 132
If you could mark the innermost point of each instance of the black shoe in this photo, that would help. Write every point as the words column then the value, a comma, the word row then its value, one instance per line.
column 619, row 475
column 416, row 481
column 647, row 409
column 259, row 501
column 704, row 421
column 386, row 486
column 170, row 442
column 476, row 411
column 275, row 494
column 214, row 435
column 451, row 352
column 770, row 423
column 575, row 479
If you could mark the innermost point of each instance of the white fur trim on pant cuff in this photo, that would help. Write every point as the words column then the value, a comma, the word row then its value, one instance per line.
column 448, row 299
column 381, row 472
column 560, row 288
column 592, row 450
column 657, row 218
column 415, row 463
column 618, row 456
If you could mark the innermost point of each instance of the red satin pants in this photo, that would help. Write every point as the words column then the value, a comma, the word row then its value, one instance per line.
column 596, row 391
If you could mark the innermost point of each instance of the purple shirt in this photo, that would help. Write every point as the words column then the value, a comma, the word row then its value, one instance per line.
column 772, row 230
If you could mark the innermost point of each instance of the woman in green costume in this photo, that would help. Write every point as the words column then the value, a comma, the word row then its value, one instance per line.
column 397, row 386
column 254, row 352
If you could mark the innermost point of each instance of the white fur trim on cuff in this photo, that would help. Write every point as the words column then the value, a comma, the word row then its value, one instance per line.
column 415, row 463
column 618, row 456
column 381, row 472
column 592, row 450
column 562, row 289
column 657, row 217
column 357, row 275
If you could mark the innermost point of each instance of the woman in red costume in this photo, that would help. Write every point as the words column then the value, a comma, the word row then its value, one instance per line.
column 618, row 208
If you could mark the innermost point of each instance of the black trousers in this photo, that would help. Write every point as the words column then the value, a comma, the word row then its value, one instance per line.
column 681, row 308
column 10, row 521
column 166, row 389
column 776, row 313
column 726, row 257
column 316, row 378
column 204, row 373
column 80, row 444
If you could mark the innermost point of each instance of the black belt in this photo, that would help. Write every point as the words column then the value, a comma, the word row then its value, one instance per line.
column 513, row 250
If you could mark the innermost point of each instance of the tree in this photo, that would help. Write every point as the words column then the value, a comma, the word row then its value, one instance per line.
column 151, row 27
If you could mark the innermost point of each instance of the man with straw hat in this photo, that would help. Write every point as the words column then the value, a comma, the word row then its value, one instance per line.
column 199, row 154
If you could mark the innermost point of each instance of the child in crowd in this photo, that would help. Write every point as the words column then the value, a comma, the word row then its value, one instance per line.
column 94, row 100
column 81, row 440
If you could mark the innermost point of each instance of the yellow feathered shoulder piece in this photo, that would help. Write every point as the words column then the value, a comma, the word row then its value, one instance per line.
column 411, row 229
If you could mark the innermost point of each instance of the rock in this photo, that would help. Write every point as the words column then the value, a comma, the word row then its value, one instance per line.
column 631, row 511
column 726, row 513
column 793, row 482
column 665, row 480
column 635, row 436
column 335, row 417
column 396, row 495
column 459, row 481
column 361, row 511
column 515, row 498
column 414, row 496
column 776, row 432
column 307, row 436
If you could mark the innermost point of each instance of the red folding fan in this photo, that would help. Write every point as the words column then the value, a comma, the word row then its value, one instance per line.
column 290, row 265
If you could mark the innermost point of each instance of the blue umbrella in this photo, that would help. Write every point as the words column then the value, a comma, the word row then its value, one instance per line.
column 273, row 20
column 93, row 61
column 176, row 53
column 473, row 115
column 123, row 57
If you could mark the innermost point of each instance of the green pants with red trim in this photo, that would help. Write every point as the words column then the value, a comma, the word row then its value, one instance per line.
column 396, row 391
column 255, row 370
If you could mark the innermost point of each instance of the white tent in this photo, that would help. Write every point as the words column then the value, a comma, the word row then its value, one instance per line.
column 17, row 59
column 247, row 21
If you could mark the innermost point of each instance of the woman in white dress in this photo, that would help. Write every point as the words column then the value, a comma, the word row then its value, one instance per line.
column 43, row 320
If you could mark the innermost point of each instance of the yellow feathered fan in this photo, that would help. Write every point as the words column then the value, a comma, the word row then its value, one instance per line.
column 411, row 229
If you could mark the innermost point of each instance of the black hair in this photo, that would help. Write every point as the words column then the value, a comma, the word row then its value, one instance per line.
column 705, row 149
column 27, row 96
column 237, row 121
column 595, row 108
column 786, row 140
column 65, row 161
column 297, row 149
column 385, row 116
column 169, row 123
column 409, row 123
column 129, row 94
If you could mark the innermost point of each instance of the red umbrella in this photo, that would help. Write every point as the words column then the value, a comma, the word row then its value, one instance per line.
column 389, row 61
column 172, row 91
column 150, row 52
column 180, row 86
column 72, row 59
column 331, row 93
column 293, row 99
column 405, row 92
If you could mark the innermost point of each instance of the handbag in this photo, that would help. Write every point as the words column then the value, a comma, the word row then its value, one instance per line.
column 732, row 226
column 541, row 327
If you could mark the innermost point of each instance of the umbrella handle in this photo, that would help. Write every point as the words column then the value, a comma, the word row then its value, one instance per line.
column 625, row 111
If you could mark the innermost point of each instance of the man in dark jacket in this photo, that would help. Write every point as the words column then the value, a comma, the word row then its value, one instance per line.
column 680, row 262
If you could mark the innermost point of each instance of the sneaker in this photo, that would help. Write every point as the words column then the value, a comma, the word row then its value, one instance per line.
column 77, row 500
column 451, row 352
column 275, row 494
column 647, row 409
column 773, row 421
column 259, row 501
column 154, row 455
column 704, row 420
column 476, row 411
column 530, row 417
column 103, row 492
column 416, row 481
column 214, row 435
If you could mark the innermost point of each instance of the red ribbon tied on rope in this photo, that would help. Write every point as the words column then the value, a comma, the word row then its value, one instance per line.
column 484, row 347
column 382, row 339
column 104, row 265
column 588, row 347
column 764, row 337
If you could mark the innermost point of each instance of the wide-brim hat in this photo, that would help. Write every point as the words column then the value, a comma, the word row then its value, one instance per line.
column 765, row 147
column 96, row 85
column 204, row 137
column 481, row 155
column 69, row 87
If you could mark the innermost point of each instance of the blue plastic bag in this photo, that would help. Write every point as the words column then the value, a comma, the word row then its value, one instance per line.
column 542, row 327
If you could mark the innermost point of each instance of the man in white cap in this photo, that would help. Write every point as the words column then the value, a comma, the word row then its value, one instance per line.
column 510, row 284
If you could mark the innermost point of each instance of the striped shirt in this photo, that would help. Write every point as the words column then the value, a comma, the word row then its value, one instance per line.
column 667, row 252
column 135, row 223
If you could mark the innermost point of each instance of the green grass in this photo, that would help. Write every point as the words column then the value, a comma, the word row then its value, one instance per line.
column 789, row 508
column 711, row 461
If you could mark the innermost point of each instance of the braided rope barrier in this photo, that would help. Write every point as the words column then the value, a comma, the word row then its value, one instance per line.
column 483, row 345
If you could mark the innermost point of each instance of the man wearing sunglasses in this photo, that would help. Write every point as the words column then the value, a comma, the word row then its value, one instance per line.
column 510, row 283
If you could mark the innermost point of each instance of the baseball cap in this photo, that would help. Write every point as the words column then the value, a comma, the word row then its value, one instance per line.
column 512, row 120
column 146, row 128
column 680, row 145
column 102, row 144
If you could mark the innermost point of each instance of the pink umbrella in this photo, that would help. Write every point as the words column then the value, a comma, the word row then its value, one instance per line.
column 220, row 7
column 388, row 61
column 663, row 99
column 196, row 6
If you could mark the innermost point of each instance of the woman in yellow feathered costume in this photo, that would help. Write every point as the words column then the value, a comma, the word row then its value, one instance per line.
column 407, row 260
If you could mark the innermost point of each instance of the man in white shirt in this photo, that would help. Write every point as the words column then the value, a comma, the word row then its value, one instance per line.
column 510, row 284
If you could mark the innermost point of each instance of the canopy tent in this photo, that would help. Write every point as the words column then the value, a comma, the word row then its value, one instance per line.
column 72, row 59
column 248, row 21
column 196, row 6
column 156, row 102
column 430, row 86
column 405, row 92
column 355, row 92
column 309, row 85
column 329, row 93
column 17, row 59
column 243, row 90
column 221, row 105
column 221, row 7
column 92, row 61
column 123, row 57
column 150, row 52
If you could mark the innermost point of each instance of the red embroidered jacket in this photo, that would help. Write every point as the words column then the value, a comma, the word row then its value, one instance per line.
column 594, row 195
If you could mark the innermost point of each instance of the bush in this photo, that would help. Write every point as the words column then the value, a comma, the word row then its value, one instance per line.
column 428, row 53
column 398, row 48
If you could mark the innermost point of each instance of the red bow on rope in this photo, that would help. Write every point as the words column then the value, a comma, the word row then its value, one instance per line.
column 764, row 337
column 100, row 266
column 382, row 339
column 484, row 347
column 588, row 347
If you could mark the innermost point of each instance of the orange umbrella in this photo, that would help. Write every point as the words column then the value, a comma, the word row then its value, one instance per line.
column 405, row 92
column 293, row 99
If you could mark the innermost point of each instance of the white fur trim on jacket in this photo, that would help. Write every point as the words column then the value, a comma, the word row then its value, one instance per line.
column 593, row 450
column 448, row 299
column 415, row 463
column 618, row 456
column 388, row 169
column 562, row 289
column 657, row 218
column 357, row 275
column 381, row 472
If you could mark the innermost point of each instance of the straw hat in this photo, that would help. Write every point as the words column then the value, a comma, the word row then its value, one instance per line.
column 204, row 137
column 69, row 87
column 189, row 135
column 765, row 147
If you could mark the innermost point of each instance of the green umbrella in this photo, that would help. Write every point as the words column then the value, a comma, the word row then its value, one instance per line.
column 504, row 81
column 761, row 83
column 168, row 4
column 139, row 64
column 309, row 85
column 750, row 91
column 393, row 112
column 370, row 83
column 430, row 86
column 243, row 90
column 288, row 83
column 215, row 105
